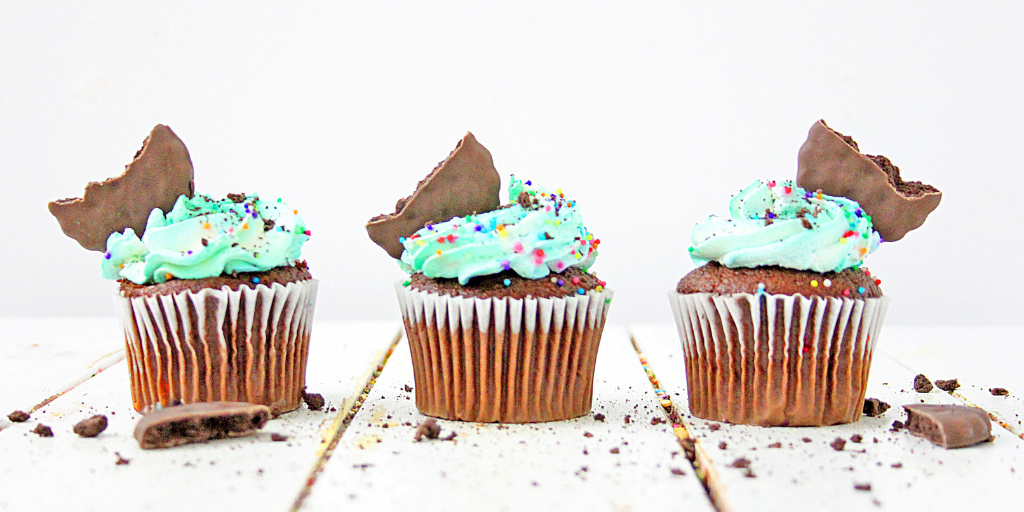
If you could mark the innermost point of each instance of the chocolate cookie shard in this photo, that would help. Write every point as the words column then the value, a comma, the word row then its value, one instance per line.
column 832, row 162
column 951, row 426
column 160, row 172
column 464, row 183
column 193, row 423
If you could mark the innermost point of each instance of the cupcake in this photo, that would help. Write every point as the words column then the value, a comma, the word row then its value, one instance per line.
column 779, row 321
column 213, row 299
column 503, row 317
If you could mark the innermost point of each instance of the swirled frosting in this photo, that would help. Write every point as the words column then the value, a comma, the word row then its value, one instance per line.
column 782, row 224
column 539, row 233
column 202, row 237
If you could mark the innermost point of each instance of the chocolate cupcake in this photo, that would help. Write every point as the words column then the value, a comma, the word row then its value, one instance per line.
column 213, row 299
column 503, row 318
column 780, row 321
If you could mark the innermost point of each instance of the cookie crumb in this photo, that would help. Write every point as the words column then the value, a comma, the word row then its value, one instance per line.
column 627, row 418
column 274, row 436
column 723, row 445
column 588, row 434
column 427, row 428
column 742, row 463
column 922, row 384
column 121, row 461
column 998, row 391
column 91, row 427
column 947, row 385
column 315, row 401
column 408, row 388
column 714, row 426
column 896, row 426
column 862, row 487
column 777, row 444
column 614, row 450
column 657, row 420
column 838, row 444
column 599, row 417
column 689, row 447
column 18, row 416
column 677, row 471
column 874, row 407
column 857, row 438
column 43, row 431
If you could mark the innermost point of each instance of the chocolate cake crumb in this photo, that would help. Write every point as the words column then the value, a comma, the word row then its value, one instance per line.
column 722, row 445
column 897, row 465
column 427, row 428
column 626, row 418
column 91, row 427
column 714, row 426
column 18, row 416
column 749, row 473
column 857, row 438
column 862, row 487
column 43, row 431
column 896, row 426
column 998, row 391
column 599, row 417
column 806, row 439
column 236, row 198
column 874, row 407
column 315, row 401
column 838, row 444
column 268, row 224
column 657, row 420
column 274, row 436
column 588, row 434
column 947, row 385
column 121, row 461
column 614, row 450
column 677, row 471
column 922, row 384
column 742, row 463
column 776, row 444
column 689, row 447
column 408, row 388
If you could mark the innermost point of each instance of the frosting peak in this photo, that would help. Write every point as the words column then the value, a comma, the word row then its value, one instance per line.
column 538, row 233
column 203, row 237
column 782, row 224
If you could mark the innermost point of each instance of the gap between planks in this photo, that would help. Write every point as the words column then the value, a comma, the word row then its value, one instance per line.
column 691, row 445
column 347, row 412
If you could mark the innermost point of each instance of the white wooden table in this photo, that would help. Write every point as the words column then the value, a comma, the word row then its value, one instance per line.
column 359, row 452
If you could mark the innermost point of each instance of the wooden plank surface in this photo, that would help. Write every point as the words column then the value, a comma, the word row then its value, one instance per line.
column 67, row 472
column 980, row 358
column 805, row 472
column 566, row 465
column 43, row 357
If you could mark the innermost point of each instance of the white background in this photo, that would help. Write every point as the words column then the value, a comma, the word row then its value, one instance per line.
column 650, row 115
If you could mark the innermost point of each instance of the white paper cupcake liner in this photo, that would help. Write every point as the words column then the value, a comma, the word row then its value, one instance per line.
column 503, row 359
column 777, row 359
column 245, row 345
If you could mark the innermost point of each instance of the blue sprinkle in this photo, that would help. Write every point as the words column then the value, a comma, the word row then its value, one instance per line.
column 508, row 282
column 528, row 183
column 861, row 289
column 401, row 239
column 190, row 252
column 254, row 215
column 561, row 282
column 255, row 280
column 860, row 213
column 581, row 291
column 107, row 255
column 478, row 227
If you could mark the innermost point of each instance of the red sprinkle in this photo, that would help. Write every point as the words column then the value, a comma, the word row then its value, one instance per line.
column 846, row 293
column 878, row 281
column 575, row 280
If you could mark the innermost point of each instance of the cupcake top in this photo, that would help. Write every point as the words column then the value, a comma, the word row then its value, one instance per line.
column 538, row 233
column 781, row 224
column 202, row 237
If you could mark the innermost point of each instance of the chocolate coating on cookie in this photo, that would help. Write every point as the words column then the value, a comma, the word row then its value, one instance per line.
column 721, row 280
column 160, row 172
column 832, row 162
column 950, row 426
column 194, row 423
column 464, row 183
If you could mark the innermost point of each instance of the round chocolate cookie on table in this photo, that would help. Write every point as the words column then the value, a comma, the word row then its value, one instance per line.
column 503, row 316
column 779, row 321
column 213, row 299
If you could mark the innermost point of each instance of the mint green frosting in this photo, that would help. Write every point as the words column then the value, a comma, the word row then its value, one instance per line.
column 202, row 237
column 539, row 233
column 782, row 224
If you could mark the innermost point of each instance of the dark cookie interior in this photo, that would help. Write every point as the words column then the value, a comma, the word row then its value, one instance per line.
column 565, row 284
column 193, row 423
column 719, row 279
column 464, row 183
column 831, row 162
column 160, row 172
column 280, row 275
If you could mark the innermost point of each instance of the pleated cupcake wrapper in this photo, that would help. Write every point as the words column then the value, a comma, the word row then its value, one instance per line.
column 503, row 359
column 777, row 359
column 246, row 345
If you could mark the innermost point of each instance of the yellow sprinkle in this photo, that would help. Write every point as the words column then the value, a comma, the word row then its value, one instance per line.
column 559, row 191
column 296, row 212
column 245, row 226
column 439, row 252
column 842, row 240
column 599, row 288
column 558, row 223
column 818, row 195
column 814, row 283
column 168, row 276
column 590, row 237
column 578, row 256
column 501, row 227
column 421, row 243
column 206, row 225
column 863, row 250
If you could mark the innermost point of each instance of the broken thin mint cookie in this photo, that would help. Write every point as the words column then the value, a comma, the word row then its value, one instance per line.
column 198, row 422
